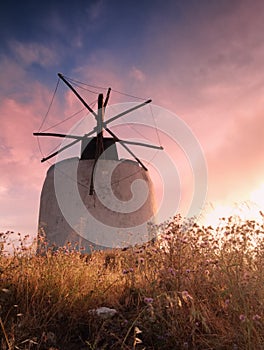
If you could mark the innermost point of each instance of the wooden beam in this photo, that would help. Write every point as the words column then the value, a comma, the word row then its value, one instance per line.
column 57, row 135
column 79, row 97
column 126, row 112
column 128, row 150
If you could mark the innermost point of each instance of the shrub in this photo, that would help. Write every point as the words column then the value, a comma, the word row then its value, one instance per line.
column 194, row 288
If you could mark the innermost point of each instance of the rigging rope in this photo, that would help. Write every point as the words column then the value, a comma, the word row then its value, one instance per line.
column 125, row 94
column 80, row 82
column 64, row 120
column 71, row 116
column 83, row 88
column 102, row 87
column 156, row 128
column 51, row 102
column 46, row 115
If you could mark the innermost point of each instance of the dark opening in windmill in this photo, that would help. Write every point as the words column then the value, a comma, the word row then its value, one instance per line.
column 86, row 200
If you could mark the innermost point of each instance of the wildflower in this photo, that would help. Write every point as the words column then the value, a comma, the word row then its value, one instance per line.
column 148, row 300
column 204, row 244
column 256, row 317
column 186, row 296
column 242, row 318
column 171, row 271
column 166, row 236
column 227, row 302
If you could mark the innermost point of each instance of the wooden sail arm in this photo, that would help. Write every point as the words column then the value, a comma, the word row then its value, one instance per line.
column 79, row 97
column 58, row 135
column 95, row 129
column 128, row 150
column 105, row 123
column 76, row 137
column 67, row 146
column 107, row 97
column 142, row 144
column 59, row 151
column 126, row 112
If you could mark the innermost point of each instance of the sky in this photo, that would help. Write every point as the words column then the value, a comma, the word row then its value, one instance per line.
column 200, row 60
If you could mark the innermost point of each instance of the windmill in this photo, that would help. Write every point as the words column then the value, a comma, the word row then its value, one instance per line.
column 78, row 206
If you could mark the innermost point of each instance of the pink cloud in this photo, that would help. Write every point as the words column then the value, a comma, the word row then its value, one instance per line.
column 137, row 74
column 216, row 87
column 34, row 53
column 213, row 78
column 21, row 175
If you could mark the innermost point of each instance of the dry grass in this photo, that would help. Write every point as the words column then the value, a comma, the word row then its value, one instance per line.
column 203, row 289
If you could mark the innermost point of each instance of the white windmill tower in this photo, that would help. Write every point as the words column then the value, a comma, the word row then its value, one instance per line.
column 90, row 201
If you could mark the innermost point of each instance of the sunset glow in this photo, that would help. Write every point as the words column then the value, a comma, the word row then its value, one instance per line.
column 249, row 210
column 200, row 60
column 257, row 196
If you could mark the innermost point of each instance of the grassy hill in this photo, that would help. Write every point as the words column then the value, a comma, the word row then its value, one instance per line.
column 195, row 288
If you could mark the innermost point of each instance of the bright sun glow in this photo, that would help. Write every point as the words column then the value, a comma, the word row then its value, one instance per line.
column 257, row 196
column 246, row 210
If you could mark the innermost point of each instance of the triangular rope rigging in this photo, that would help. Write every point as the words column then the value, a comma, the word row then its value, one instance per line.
column 46, row 115
column 50, row 105
column 78, row 84
column 64, row 120
column 104, row 124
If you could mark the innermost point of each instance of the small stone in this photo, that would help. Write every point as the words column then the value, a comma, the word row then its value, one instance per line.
column 104, row 312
